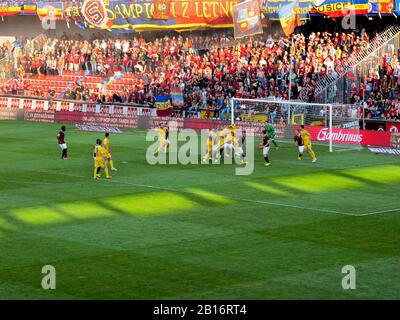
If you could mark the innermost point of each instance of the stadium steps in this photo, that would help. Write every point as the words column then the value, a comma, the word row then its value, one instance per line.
column 356, row 59
column 60, row 83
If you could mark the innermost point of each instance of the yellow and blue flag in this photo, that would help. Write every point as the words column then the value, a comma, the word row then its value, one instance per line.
column 50, row 10
column 289, row 17
column 162, row 102
column 9, row 8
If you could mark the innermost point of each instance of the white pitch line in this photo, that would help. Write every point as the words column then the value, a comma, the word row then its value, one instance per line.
column 294, row 206
column 234, row 198
column 26, row 182
column 347, row 149
column 378, row 212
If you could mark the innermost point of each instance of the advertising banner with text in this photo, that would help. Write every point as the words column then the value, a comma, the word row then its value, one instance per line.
column 350, row 136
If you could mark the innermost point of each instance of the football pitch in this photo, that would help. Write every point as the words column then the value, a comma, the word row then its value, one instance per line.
column 194, row 231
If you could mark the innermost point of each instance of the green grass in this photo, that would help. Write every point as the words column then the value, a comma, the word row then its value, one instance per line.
column 196, row 231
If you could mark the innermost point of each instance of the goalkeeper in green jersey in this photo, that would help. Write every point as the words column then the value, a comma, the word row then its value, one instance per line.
column 271, row 134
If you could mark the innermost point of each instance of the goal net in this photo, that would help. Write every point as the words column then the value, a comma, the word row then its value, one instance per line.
column 335, row 126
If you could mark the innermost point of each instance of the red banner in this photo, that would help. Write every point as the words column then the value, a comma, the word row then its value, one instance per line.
column 350, row 136
column 393, row 127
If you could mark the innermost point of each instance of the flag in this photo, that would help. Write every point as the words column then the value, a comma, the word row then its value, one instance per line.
column 332, row 8
column 72, row 13
column 163, row 105
column 271, row 8
column 29, row 8
column 373, row 6
column 177, row 97
column 162, row 102
column 359, row 6
column 162, row 9
column 289, row 16
column 341, row 8
column 9, row 9
column 247, row 19
column 382, row 6
column 53, row 10
column 94, row 12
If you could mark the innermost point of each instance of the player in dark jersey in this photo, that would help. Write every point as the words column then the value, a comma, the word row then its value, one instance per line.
column 238, row 138
column 265, row 147
column 243, row 136
column 298, row 140
column 242, row 142
column 62, row 144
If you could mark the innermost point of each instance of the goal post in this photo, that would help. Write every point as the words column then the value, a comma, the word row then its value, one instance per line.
column 336, row 126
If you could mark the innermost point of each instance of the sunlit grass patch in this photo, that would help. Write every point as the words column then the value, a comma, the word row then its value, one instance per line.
column 209, row 196
column 378, row 174
column 318, row 182
column 38, row 215
column 84, row 210
column 267, row 188
column 151, row 203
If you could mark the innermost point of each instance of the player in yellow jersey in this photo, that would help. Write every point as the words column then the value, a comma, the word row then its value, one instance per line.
column 99, row 156
column 233, row 142
column 163, row 135
column 212, row 145
column 307, row 143
column 223, row 139
column 107, row 149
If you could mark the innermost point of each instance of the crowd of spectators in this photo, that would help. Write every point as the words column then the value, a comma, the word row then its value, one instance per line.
column 3, row 50
column 379, row 96
column 210, row 70
column 6, row 49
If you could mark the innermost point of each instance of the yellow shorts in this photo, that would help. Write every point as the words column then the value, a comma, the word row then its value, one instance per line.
column 107, row 155
column 307, row 145
column 99, row 163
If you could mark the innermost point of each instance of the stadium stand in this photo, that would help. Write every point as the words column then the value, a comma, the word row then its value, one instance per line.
column 207, row 70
